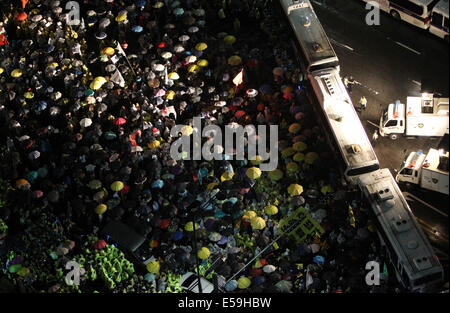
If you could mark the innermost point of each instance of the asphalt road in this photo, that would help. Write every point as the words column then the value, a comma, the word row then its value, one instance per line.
column 388, row 62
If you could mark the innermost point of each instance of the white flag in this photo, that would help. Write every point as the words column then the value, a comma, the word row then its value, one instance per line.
column 119, row 47
column 118, row 79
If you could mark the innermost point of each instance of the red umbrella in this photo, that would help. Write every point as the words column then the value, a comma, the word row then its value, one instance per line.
column 239, row 114
column 125, row 189
column 120, row 121
column 99, row 244
column 22, row 16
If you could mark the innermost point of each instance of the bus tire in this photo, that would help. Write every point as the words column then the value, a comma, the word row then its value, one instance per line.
column 395, row 14
column 393, row 136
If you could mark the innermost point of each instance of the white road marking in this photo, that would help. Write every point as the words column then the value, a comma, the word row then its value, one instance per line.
column 408, row 195
column 341, row 44
column 416, row 82
column 370, row 89
column 406, row 47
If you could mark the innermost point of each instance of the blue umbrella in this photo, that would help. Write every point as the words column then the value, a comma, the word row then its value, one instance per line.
column 223, row 240
column 49, row 48
column 149, row 277
column 178, row 11
column 91, row 20
column 137, row 29
column 219, row 214
column 175, row 4
column 140, row 3
column 32, row 175
column 110, row 136
column 177, row 235
column 100, row 35
column 77, row 72
column 158, row 184
column 40, row 106
column 89, row 92
column 319, row 259
column 42, row 171
column 231, row 285
column 258, row 280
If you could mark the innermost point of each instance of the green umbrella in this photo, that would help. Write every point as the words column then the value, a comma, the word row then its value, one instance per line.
column 95, row 184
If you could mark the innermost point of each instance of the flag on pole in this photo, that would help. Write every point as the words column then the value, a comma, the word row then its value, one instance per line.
column 24, row 3
column 118, row 79
column 239, row 78
column 119, row 47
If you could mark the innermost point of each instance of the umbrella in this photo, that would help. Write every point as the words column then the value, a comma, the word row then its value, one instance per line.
column 239, row 113
column 319, row 259
column 229, row 39
column 119, row 121
column 234, row 60
column 183, row 38
column 158, row 184
column 86, row 122
column 292, row 167
column 140, row 3
column 287, row 152
column 186, row 130
column 311, row 157
column 294, row 128
column 191, row 59
column 251, row 93
column 269, row 268
column 110, row 68
column 193, row 29
column 22, row 16
column 23, row 184
column 28, row 95
column 154, row 144
column 95, row 184
column 178, row 49
column 271, row 210
column 265, row 88
column 173, row 76
column 137, row 29
column 231, row 285
column 298, row 157
column 278, row 71
column 117, row 186
column 284, row 286
column 16, row 73
column 37, row 194
column 36, row 18
column 214, row 236
column 100, row 209
column 276, row 174
column 158, row 67
column 178, row 11
column 244, row 282
column 199, row 12
column 202, row 63
column 300, row 146
column 110, row 135
column 203, row 253
column 33, row 155
column 166, row 55
column 99, row 244
column 201, row 46
column 258, row 222
column 190, row 227
column 295, row 190
column 253, row 172
column 158, row 5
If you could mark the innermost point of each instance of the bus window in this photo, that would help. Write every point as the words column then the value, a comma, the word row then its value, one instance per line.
column 446, row 22
column 406, row 171
column 416, row 173
column 436, row 19
column 401, row 123
column 414, row 8
column 391, row 123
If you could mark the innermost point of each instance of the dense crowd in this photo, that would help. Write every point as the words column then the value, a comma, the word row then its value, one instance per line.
column 85, row 118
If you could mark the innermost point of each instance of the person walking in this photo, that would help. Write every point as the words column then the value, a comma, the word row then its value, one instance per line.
column 363, row 102
column 374, row 138
column 348, row 82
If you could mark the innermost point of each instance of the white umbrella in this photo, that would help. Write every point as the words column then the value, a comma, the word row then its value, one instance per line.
column 158, row 68
column 90, row 100
column 191, row 58
column 104, row 22
column 110, row 68
column 269, row 268
column 85, row 122
column 178, row 48
column 166, row 55
column 183, row 38
column 36, row 18
column 199, row 12
column 220, row 103
column 193, row 29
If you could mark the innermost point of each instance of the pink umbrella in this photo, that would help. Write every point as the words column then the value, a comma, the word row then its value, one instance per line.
column 99, row 244
column 120, row 121
column 37, row 194
column 160, row 93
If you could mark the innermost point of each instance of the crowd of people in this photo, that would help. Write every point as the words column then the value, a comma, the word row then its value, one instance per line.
column 85, row 118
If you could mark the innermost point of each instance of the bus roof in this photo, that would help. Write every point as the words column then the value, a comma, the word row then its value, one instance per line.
column 422, row 2
column 399, row 224
column 309, row 32
column 345, row 124
column 442, row 7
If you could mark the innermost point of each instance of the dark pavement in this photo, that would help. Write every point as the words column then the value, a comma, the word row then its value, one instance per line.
column 388, row 62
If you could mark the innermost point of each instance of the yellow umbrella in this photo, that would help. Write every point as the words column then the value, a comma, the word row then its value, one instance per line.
column 287, row 152
column 202, row 63
column 121, row 18
column 201, row 46
column 100, row 209
column 234, row 60
column 292, row 167
column 229, row 39
column 300, row 146
column 276, row 174
column 258, row 222
column 271, row 210
column 249, row 215
column 226, row 176
column 117, row 186
column 294, row 128
column 190, row 227
column 153, row 267
column 95, row 184
column 311, row 157
column 1, row 70
column 154, row 144
column 203, row 253
column 158, row 5
column 212, row 185
column 253, row 172
column 298, row 157
column 186, row 130
column 295, row 190
column 244, row 282
column 29, row 95
column 170, row 95
column 257, row 160
column 194, row 68
column 100, row 79
column 16, row 73
column 108, row 51
column 173, row 76
column 326, row 189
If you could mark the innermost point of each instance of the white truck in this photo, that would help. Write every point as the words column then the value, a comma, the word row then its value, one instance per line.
column 428, row 171
column 422, row 116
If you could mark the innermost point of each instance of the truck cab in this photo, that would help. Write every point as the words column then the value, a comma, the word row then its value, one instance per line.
column 410, row 171
column 439, row 20
column 392, row 122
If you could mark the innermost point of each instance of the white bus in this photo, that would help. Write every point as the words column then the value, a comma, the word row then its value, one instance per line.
column 439, row 20
column 416, row 12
